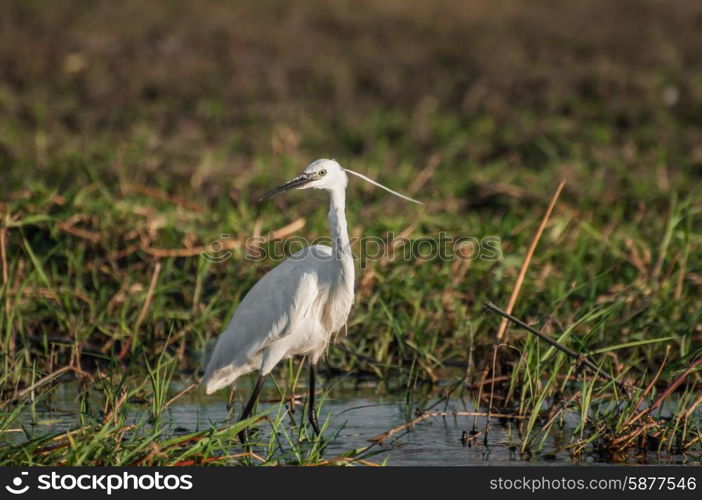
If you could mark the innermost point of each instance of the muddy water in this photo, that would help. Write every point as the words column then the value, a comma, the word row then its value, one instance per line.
column 354, row 415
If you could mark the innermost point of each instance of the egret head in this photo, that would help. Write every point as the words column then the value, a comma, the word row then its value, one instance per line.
column 328, row 175
column 320, row 174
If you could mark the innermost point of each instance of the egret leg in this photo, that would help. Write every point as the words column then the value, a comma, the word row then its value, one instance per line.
column 244, row 434
column 312, row 410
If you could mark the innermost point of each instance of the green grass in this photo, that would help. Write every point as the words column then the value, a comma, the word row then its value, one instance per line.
column 119, row 139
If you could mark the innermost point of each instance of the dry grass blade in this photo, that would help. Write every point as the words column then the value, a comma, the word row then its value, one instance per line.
column 162, row 253
column 50, row 294
column 648, row 389
column 149, row 296
column 209, row 460
column 144, row 310
column 180, row 394
column 160, row 195
column 626, row 440
column 346, row 460
column 425, row 174
column 502, row 330
column 224, row 245
column 91, row 236
column 675, row 384
column 42, row 381
column 689, row 411
column 5, row 282
column 3, row 255
column 112, row 414
column 287, row 230
column 622, row 442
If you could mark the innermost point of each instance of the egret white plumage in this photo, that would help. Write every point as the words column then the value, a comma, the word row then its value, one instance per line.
column 297, row 306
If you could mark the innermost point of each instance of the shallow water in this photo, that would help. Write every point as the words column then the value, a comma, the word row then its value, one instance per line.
column 354, row 415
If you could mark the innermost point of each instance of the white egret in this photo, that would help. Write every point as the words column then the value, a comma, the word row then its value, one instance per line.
column 297, row 306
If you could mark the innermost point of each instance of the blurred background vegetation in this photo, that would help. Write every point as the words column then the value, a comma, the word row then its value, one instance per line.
column 134, row 132
column 197, row 94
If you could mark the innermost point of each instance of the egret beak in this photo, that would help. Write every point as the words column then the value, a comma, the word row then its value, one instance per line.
column 295, row 183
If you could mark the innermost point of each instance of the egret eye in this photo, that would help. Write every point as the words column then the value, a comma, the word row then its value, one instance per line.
column 322, row 172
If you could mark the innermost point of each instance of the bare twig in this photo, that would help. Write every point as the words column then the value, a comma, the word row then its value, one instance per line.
column 576, row 356
column 385, row 435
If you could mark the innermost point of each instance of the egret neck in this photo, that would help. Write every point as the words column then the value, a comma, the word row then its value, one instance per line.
column 341, row 246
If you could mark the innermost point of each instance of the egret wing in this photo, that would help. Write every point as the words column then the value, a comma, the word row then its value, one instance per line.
column 279, row 300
